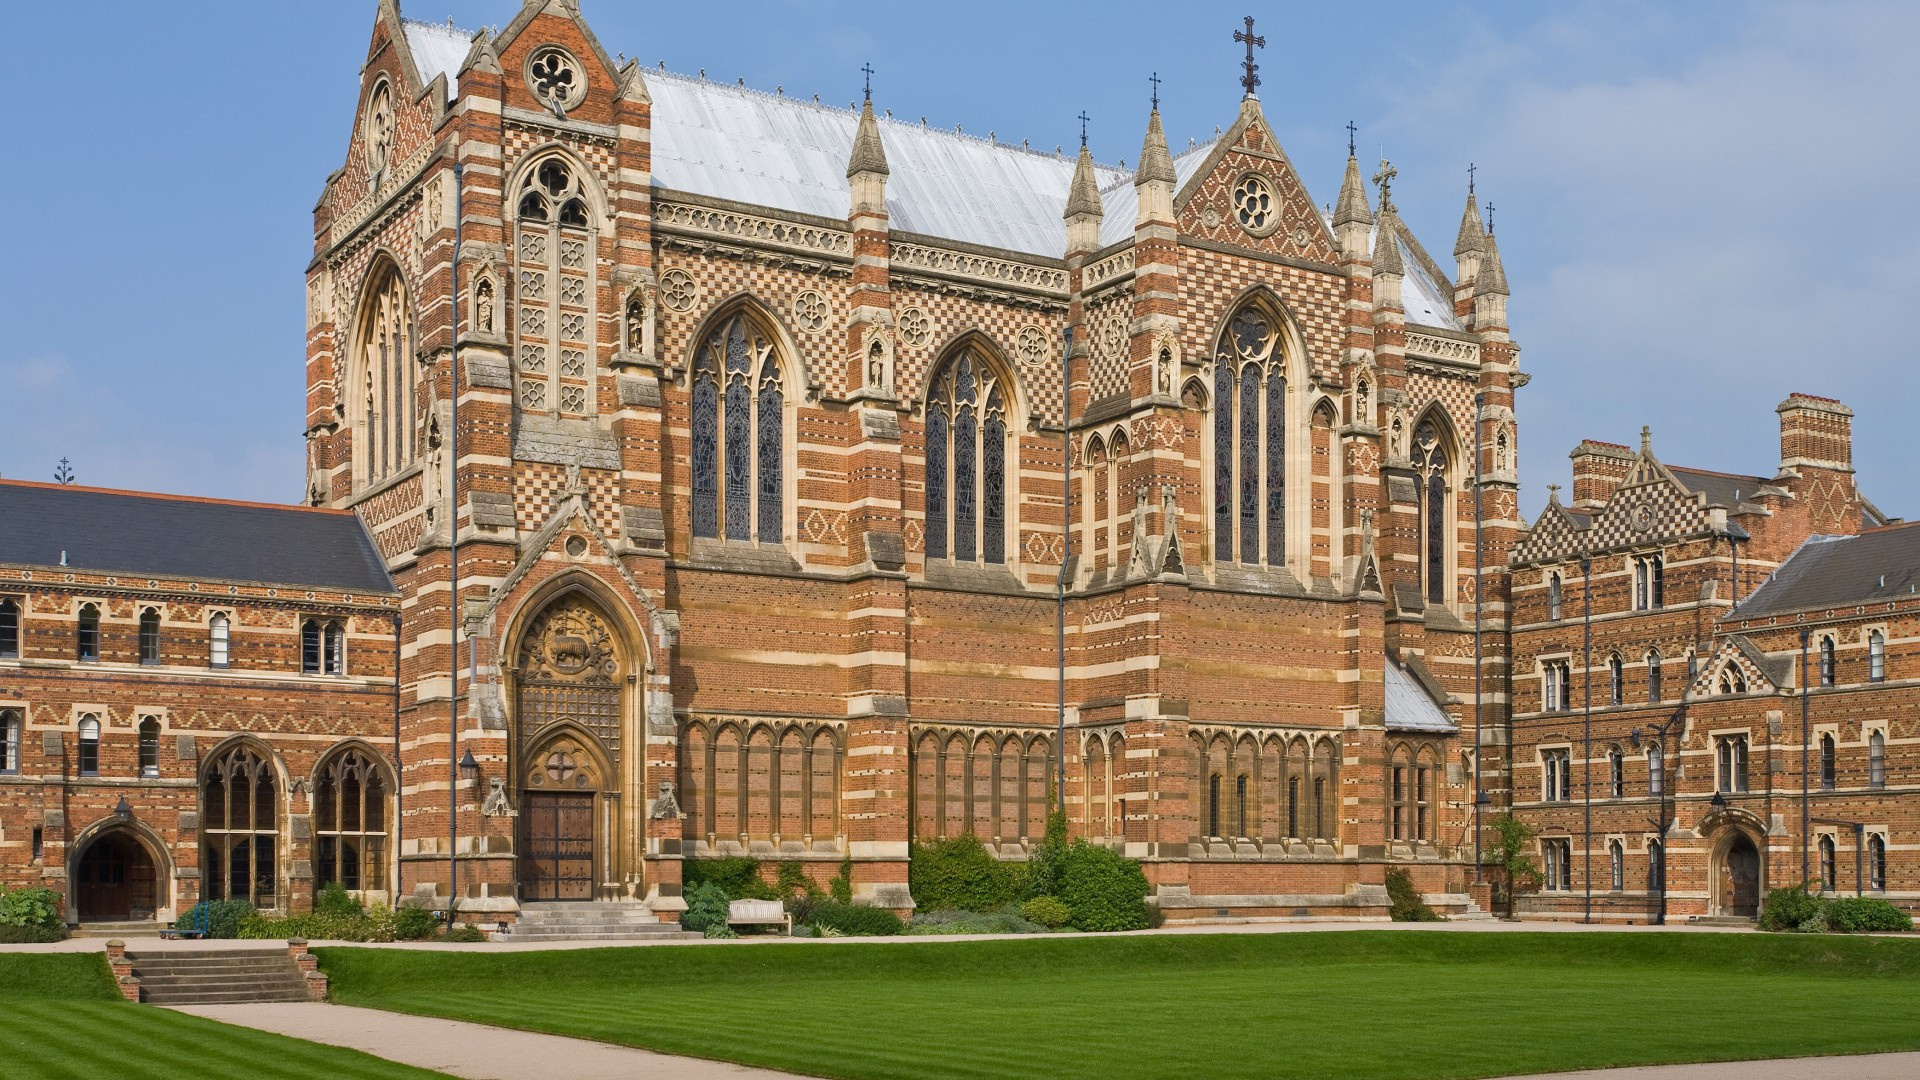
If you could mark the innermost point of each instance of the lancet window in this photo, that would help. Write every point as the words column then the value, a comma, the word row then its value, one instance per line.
column 555, row 289
column 739, row 434
column 967, row 454
column 384, row 396
column 1429, row 458
column 1250, row 440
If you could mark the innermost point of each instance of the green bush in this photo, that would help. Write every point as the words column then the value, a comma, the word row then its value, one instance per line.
column 469, row 932
column 1049, row 911
column 721, row 930
column 1787, row 909
column 379, row 924
column 793, row 880
column 706, row 906
column 224, row 917
column 1408, row 904
column 32, row 909
column 971, row 922
column 738, row 875
column 841, row 887
column 962, row 875
column 1047, row 864
column 414, row 924
column 30, row 935
column 1106, row 891
column 1865, row 915
column 334, row 899
column 854, row 920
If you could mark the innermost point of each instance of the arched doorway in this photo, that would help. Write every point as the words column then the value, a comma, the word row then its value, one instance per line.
column 570, row 713
column 1736, row 882
column 115, row 880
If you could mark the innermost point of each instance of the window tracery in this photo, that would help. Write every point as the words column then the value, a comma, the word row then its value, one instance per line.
column 966, row 444
column 350, row 823
column 379, row 130
column 384, row 436
column 1250, row 440
column 1429, row 460
column 556, row 274
column 739, row 436
column 240, row 828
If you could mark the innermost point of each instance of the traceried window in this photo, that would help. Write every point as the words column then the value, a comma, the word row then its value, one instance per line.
column 1556, row 686
column 89, row 762
column 219, row 640
column 554, row 274
column 150, row 636
column 1826, row 661
column 323, row 648
column 967, row 452
column 149, row 747
column 1556, row 773
column 9, row 628
column 739, row 434
column 383, row 400
column 87, row 638
column 1730, row 753
column 1556, row 853
column 1732, row 680
column 1876, row 656
column 240, row 828
column 1250, row 440
column 10, row 740
column 1429, row 456
column 1649, row 583
column 350, row 823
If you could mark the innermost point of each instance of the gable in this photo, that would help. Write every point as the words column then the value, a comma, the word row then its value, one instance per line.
column 1248, row 195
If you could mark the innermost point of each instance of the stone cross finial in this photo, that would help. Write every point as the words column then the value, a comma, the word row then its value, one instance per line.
column 1553, row 492
column 1471, row 169
column 1384, row 179
column 1250, row 80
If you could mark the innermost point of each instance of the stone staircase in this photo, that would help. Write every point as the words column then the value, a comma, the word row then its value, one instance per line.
column 218, row 976
column 591, row 922
column 148, row 928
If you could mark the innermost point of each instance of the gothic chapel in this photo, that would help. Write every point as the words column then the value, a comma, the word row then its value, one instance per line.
column 753, row 445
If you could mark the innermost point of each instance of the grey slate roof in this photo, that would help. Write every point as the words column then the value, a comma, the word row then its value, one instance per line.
column 123, row 532
column 1833, row 571
column 1722, row 489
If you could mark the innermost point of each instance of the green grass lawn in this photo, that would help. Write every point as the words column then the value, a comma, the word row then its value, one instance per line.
column 1354, row 1004
column 60, row 1016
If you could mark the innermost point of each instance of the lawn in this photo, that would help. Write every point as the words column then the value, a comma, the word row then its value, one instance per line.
column 1351, row 1004
column 63, row 1018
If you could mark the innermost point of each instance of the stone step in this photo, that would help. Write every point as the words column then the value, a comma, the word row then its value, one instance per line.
column 114, row 929
column 218, row 976
column 671, row 934
column 158, row 978
column 223, row 997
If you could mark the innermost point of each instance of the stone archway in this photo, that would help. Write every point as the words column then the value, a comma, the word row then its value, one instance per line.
column 116, row 879
column 570, row 717
column 1737, row 875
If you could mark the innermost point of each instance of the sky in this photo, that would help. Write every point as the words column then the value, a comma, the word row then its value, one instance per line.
column 1701, row 205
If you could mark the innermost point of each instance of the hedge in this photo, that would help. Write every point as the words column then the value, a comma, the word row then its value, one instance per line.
column 962, row 875
column 1795, row 910
column 1105, row 890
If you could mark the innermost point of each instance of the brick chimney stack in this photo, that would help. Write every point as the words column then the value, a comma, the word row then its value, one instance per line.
column 1598, row 469
column 1815, row 432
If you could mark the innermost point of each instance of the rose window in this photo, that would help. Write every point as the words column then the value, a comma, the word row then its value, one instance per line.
column 1253, row 205
column 555, row 79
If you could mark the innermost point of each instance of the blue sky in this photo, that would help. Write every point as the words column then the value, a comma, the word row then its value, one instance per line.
column 1702, row 206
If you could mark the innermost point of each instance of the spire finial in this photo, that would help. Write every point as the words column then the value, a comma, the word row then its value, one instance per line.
column 1083, row 128
column 1646, row 439
column 1350, row 130
column 1489, row 217
column 1384, row 178
column 1155, row 80
column 1553, row 492
column 1471, row 169
column 867, row 68
column 1250, row 80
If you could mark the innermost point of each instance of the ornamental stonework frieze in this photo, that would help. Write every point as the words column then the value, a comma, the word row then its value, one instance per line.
column 1440, row 348
column 686, row 218
column 984, row 269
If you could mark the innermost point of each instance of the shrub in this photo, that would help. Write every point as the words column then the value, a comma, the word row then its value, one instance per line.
column 721, row 930
column 379, row 924
column 1865, row 915
column 706, row 906
column 30, row 935
column 469, row 932
column 961, row 875
column 793, row 879
column 334, row 899
column 1046, row 866
column 36, row 910
column 1049, row 911
column 855, row 920
column 1787, row 909
column 738, row 875
column 1106, row 891
column 1408, row 904
column 971, row 922
column 414, row 924
column 224, row 917
column 841, row 887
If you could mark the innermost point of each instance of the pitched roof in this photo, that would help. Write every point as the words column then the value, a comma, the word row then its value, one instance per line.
column 1411, row 705
column 1721, row 489
column 127, row 532
column 1834, row 571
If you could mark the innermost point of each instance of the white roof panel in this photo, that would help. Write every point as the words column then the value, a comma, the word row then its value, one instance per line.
column 438, row 48
column 1409, row 708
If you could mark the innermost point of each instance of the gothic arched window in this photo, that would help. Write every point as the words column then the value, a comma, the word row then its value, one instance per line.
column 1877, row 759
column 87, row 642
column 554, row 275
column 9, row 740
column 1250, row 440
column 89, row 762
column 149, row 747
column 240, row 828
column 1429, row 458
column 1826, row 661
column 1876, row 656
column 1616, row 680
column 150, row 635
column 9, row 628
column 739, row 434
column 219, row 640
column 384, row 392
column 1653, row 674
column 1553, row 596
column 350, row 823
column 967, row 461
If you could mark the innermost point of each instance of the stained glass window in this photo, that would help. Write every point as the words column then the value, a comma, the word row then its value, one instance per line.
column 706, row 456
column 1249, row 441
column 556, row 300
column 739, row 437
column 966, row 463
column 771, row 446
column 739, row 463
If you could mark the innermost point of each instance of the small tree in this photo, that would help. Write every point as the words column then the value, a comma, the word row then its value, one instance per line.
column 1513, row 838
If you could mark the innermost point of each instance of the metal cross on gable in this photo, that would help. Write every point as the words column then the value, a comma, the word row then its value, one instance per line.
column 1250, row 80
column 1155, row 80
column 867, row 68
column 1471, row 169
column 1350, row 131
column 1083, row 128
column 1489, row 217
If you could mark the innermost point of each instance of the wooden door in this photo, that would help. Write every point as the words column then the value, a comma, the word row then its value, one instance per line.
column 556, row 861
column 1743, row 879
column 103, row 893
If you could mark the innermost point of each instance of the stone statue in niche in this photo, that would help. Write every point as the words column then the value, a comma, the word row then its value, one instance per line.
column 1363, row 402
column 483, row 306
column 636, row 323
column 1165, row 368
column 876, row 367
column 1397, row 440
column 1500, row 459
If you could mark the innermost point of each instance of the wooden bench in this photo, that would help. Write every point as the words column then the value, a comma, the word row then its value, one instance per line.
column 759, row 913
column 195, row 925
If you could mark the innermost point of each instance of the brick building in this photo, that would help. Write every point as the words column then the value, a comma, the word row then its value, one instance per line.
column 1676, row 746
column 765, row 413
column 196, row 700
